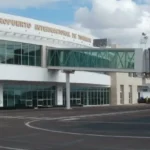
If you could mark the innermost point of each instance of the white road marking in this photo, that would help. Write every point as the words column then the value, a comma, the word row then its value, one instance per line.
column 79, row 116
column 83, row 134
column 69, row 119
column 113, row 122
column 20, row 136
column 10, row 148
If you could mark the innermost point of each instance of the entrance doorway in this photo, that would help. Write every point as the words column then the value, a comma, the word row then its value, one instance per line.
column 29, row 103
column 44, row 103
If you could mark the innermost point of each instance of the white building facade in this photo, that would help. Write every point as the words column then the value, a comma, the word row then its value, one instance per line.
column 25, row 80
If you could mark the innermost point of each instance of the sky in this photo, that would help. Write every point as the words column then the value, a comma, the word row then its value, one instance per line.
column 122, row 21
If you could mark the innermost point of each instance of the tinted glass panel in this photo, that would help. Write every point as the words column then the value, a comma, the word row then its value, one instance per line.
column 22, row 96
column 20, row 53
column 115, row 59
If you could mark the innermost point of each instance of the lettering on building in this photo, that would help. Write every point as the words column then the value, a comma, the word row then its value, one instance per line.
column 15, row 23
column 52, row 30
column 83, row 38
column 27, row 25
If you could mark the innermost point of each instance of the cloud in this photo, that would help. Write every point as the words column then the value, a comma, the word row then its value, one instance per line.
column 123, row 21
column 79, row 27
column 22, row 4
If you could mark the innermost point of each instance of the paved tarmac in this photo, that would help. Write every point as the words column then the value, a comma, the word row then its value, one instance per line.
column 97, row 128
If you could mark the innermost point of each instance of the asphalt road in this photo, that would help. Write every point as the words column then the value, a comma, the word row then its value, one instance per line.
column 98, row 128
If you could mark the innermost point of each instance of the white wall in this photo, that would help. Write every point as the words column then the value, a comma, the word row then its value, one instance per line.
column 86, row 78
column 38, row 74
column 123, row 79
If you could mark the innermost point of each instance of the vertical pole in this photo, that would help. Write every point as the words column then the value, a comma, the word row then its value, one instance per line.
column 67, row 90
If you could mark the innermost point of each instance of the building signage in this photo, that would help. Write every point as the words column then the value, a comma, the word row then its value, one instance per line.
column 15, row 23
column 27, row 25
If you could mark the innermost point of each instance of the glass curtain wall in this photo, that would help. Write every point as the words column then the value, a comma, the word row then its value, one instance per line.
column 22, row 96
column 88, row 96
column 106, row 58
column 20, row 53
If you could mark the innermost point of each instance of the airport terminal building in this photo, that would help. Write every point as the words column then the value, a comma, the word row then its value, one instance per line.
column 27, row 50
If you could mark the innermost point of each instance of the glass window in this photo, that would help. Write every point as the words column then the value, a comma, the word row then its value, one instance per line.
column 21, row 96
column 20, row 53
column 10, row 59
column 5, row 98
column 38, row 61
column 2, row 57
column 32, row 50
column 17, row 59
column 25, row 60
column 17, row 48
column 86, row 96
column 2, row 51
column 38, row 50
column 2, row 47
column 115, row 59
column 10, row 47
column 31, row 61
column 108, row 97
column 10, row 99
column 25, row 49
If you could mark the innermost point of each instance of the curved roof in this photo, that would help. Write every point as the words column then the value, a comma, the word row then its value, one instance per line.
column 42, row 30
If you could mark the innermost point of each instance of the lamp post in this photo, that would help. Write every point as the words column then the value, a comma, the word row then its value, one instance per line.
column 144, row 40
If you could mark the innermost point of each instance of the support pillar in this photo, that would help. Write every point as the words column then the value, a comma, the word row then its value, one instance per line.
column 1, row 96
column 44, row 57
column 67, row 90
column 59, row 95
column 68, row 72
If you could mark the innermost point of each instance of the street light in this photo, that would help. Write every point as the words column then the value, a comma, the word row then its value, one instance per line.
column 144, row 39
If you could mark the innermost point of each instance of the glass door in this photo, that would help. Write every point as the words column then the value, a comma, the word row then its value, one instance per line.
column 47, row 103
column 29, row 103
column 40, row 102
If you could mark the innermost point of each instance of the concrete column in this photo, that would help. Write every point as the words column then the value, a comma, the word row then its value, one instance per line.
column 44, row 57
column 1, row 96
column 59, row 95
column 114, row 95
column 114, row 90
column 67, row 90
column 134, row 94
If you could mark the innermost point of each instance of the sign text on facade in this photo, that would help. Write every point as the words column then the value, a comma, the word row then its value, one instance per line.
column 41, row 28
